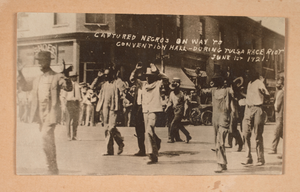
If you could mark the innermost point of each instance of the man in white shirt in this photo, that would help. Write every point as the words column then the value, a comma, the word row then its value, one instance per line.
column 151, row 104
column 176, row 102
column 254, row 118
column 73, row 99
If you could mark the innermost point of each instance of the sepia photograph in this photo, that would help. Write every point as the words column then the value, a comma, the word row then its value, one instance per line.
column 149, row 94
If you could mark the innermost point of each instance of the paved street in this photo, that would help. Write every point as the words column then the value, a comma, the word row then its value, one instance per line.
column 84, row 157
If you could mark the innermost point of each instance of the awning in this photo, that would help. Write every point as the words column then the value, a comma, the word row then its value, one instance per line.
column 172, row 72
column 192, row 73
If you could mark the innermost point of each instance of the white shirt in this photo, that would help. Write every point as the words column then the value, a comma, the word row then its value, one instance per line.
column 176, row 99
column 139, row 97
column 254, row 93
column 75, row 94
column 151, row 101
column 44, row 88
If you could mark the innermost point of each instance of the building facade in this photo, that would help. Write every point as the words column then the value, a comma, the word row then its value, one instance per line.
column 75, row 39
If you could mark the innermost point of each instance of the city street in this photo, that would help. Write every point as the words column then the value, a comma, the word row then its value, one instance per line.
column 84, row 157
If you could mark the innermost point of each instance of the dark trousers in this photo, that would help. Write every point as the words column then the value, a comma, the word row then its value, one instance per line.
column 176, row 124
column 72, row 115
column 170, row 117
column 140, row 128
column 234, row 132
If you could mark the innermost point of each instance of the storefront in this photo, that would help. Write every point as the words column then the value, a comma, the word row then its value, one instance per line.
column 85, row 55
column 63, row 51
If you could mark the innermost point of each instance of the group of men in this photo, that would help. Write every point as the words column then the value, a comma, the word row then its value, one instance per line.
column 233, row 105
column 146, row 104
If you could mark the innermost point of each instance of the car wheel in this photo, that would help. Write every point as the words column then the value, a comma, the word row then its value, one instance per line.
column 206, row 118
column 195, row 116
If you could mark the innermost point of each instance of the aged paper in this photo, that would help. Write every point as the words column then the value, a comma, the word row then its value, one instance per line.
column 232, row 183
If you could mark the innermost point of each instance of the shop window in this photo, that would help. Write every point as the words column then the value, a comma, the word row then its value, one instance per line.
column 22, row 21
column 93, row 18
column 65, row 52
column 60, row 18
column 202, row 31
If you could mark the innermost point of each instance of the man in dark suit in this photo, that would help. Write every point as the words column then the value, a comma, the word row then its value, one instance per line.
column 45, row 106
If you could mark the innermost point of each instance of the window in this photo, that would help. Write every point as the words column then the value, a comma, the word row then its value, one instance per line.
column 221, row 38
column 95, row 18
column 22, row 21
column 253, row 44
column 179, row 26
column 60, row 18
column 238, row 41
column 202, row 31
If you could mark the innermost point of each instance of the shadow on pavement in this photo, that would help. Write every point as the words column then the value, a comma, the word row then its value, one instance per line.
column 177, row 153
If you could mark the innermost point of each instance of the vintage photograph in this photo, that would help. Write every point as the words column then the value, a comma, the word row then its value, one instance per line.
column 131, row 94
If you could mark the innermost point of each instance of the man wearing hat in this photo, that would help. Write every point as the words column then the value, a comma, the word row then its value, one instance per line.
column 73, row 99
column 176, row 101
column 108, row 102
column 151, row 105
column 45, row 106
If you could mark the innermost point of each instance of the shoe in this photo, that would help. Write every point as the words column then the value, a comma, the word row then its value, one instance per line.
column 140, row 154
column 153, row 159
column 224, row 167
column 69, row 139
column 240, row 148
column 179, row 140
column 260, row 163
column 219, row 168
column 170, row 141
column 107, row 154
column 272, row 153
column 279, row 157
column 213, row 149
column 188, row 138
column 248, row 162
column 75, row 139
column 121, row 149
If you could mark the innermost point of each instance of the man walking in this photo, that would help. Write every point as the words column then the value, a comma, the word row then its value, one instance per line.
column 45, row 106
column 151, row 104
column 109, row 97
column 254, row 117
column 73, row 99
column 176, row 101
column 279, row 107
